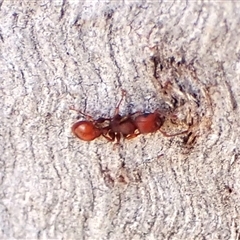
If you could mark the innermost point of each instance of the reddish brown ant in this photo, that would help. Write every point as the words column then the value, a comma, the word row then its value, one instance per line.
column 119, row 126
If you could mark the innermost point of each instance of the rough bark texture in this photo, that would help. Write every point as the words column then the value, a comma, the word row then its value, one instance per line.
column 177, row 56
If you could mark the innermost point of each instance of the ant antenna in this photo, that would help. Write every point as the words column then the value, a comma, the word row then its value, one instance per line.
column 78, row 111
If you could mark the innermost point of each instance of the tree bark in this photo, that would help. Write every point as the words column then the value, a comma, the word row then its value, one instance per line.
column 181, row 58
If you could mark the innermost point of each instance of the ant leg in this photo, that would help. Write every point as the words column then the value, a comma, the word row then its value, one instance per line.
column 110, row 136
column 173, row 135
column 133, row 135
column 85, row 115
column 117, row 107
column 118, row 137
column 117, row 144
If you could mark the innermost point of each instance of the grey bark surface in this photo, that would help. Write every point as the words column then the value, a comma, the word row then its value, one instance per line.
column 57, row 54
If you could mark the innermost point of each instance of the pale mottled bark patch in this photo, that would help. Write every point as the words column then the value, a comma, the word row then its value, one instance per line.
column 55, row 55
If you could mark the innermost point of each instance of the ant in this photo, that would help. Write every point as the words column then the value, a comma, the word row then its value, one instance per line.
column 111, row 128
column 118, row 126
